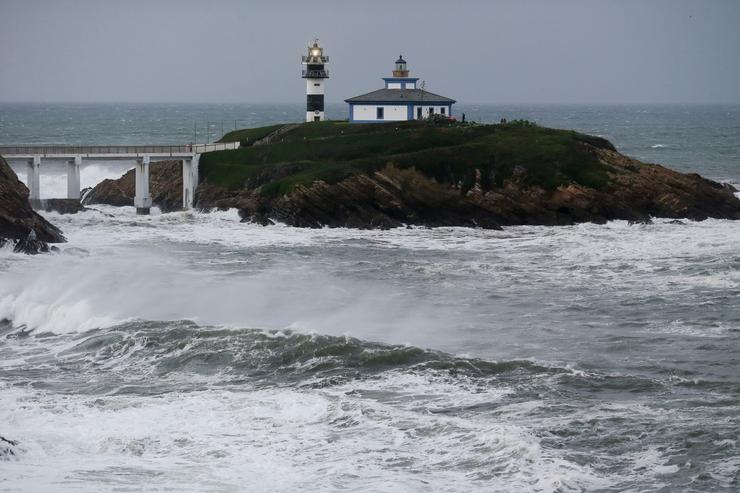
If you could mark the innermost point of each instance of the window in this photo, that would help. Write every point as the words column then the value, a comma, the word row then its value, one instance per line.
column 442, row 110
column 418, row 113
column 431, row 111
column 379, row 113
column 317, row 118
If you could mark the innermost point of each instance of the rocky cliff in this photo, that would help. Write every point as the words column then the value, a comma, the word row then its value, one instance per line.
column 380, row 176
column 165, row 186
column 451, row 175
column 392, row 197
column 19, row 223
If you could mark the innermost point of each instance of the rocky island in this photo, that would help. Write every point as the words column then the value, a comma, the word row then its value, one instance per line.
column 431, row 173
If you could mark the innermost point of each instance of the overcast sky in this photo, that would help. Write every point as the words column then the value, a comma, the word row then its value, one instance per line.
column 501, row 51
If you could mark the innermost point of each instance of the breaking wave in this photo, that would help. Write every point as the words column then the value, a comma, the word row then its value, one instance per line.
column 189, row 351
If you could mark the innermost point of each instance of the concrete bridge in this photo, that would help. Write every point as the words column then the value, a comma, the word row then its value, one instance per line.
column 142, row 155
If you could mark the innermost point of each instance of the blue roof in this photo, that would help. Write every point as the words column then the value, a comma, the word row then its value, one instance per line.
column 400, row 79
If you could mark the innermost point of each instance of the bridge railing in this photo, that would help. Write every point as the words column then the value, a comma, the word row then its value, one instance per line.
column 114, row 149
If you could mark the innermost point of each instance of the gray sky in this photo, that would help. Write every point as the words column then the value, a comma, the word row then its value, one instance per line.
column 507, row 51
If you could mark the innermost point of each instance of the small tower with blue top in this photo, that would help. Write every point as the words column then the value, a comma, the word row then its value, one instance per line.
column 400, row 79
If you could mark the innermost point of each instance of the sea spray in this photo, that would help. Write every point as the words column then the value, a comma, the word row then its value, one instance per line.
column 191, row 351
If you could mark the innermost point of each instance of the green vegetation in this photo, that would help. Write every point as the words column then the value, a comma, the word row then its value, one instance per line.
column 248, row 136
column 448, row 152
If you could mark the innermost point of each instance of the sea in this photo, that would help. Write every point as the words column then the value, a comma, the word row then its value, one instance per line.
column 192, row 352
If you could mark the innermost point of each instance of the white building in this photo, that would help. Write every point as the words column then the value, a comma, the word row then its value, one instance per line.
column 400, row 100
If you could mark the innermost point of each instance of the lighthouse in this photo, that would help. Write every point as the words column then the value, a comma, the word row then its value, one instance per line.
column 315, row 73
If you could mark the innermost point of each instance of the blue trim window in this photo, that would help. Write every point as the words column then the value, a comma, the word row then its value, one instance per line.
column 418, row 113
column 442, row 110
column 379, row 113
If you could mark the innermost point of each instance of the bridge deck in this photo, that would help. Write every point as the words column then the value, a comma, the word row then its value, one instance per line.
column 110, row 151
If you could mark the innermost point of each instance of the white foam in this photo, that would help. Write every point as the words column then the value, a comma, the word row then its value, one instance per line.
column 277, row 439
column 484, row 293
column 214, row 269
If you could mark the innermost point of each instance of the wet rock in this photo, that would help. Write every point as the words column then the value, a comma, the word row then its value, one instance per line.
column 119, row 192
column 387, row 199
column 394, row 197
column 84, row 192
column 8, row 448
column 62, row 206
column 31, row 245
column 644, row 220
column 20, row 225
column 165, row 187
column 583, row 180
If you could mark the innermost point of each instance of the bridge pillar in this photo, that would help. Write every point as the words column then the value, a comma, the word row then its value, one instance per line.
column 33, row 178
column 73, row 178
column 189, row 180
column 142, row 199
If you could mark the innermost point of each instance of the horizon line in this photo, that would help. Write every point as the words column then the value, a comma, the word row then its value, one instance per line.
column 471, row 103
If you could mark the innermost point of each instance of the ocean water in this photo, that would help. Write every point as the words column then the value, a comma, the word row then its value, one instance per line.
column 192, row 352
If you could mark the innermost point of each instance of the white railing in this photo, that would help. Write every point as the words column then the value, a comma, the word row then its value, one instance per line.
column 314, row 59
column 47, row 150
column 315, row 74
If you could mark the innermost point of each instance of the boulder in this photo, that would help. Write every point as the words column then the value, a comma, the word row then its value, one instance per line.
column 8, row 448
column 62, row 206
column 19, row 223
column 165, row 187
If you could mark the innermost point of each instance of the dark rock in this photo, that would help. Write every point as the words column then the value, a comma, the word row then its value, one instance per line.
column 19, row 223
column 677, row 221
column 165, row 187
column 387, row 199
column 644, row 220
column 393, row 197
column 62, row 206
column 31, row 245
column 8, row 448
column 118, row 192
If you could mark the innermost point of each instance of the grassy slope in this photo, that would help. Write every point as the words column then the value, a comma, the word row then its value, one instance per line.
column 247, row 136
column 449, row 153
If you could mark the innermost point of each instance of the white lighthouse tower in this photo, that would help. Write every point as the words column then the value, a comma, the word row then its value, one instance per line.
column 315, row 74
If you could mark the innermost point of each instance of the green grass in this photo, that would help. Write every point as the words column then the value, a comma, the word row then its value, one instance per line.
column 448, row 153
column 247, row 136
